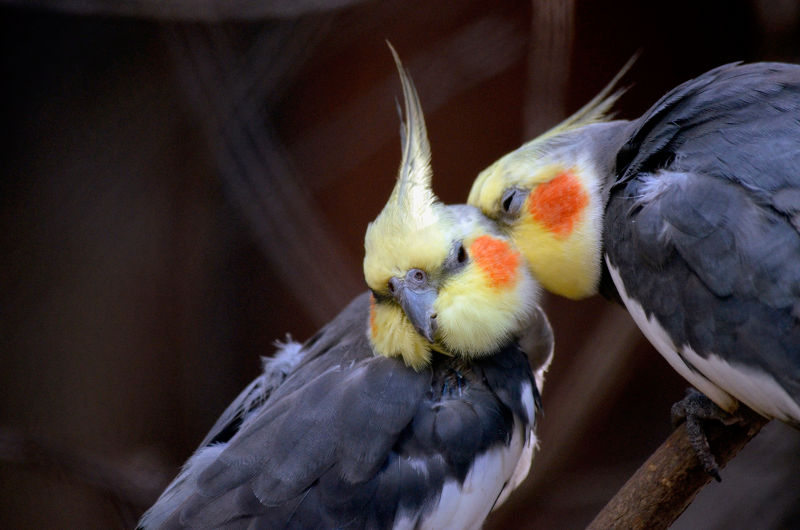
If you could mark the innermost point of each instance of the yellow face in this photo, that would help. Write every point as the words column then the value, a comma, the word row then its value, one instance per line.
column 472, row 302
column 442, row 278
column 546, row 196
column 552, row 213
column 481, row 308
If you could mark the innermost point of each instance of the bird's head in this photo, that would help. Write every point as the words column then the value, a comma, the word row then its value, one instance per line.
column 443, row 278
column 547, row 195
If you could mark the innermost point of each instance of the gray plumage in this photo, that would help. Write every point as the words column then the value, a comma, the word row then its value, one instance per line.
column 702, row 226
column 332, row 436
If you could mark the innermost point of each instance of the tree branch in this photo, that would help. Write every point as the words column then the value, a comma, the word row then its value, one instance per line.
column 664, row 486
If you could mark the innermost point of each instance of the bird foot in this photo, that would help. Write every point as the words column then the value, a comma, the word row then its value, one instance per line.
column 694, row 409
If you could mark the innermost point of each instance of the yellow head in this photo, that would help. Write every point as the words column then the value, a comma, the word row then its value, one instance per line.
column 443, row 278
column 552, row 209
column 547, row 196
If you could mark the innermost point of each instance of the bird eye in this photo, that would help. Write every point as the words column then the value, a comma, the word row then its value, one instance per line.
column 462, row 254
column 416, row 278
column 511, row 201
column 391, row 285
column 507, row 202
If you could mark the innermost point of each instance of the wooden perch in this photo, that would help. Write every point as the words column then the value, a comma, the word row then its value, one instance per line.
column 664, row 486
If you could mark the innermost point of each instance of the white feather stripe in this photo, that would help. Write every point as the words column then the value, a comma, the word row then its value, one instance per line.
column 523, row 464
column 527, row 400
column 521, row 471
column 721, row 381
column 467, row 505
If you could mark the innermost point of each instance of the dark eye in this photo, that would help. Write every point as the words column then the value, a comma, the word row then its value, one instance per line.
column 462, row 254
column 419, row 276
column 507, row 202
column 391, row 286
column 511, row 201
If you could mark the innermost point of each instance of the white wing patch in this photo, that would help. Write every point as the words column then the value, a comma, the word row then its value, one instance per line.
column 492, row 476
column 527, row 401
column 721, row 381
column 523, row 466
column 530, row 444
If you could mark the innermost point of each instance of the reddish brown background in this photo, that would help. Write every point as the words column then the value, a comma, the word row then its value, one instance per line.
column 176, row 194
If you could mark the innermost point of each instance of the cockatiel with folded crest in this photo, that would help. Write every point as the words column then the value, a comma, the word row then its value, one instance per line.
column 413, row 408
column 690, row 215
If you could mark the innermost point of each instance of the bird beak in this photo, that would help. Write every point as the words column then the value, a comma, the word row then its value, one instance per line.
column 417, row 303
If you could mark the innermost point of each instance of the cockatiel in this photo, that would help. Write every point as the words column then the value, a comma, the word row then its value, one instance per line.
column 413, row 408
column 689, row 214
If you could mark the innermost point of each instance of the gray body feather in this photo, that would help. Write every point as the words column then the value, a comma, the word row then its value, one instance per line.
column 347, row 439
column 702, row 224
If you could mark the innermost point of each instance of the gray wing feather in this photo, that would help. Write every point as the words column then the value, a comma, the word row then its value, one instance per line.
column 275, row 369
column 703, row 218
column 333, row 418
column 246, row 404
column 350, row 439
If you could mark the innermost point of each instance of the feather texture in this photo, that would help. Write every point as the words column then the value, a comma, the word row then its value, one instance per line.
column 700, row 225
column 351, row 439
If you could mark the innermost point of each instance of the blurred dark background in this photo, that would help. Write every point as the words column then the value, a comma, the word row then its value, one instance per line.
column 183, row 183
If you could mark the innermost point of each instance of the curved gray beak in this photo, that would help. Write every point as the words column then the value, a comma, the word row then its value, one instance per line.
column 418, row 306
column 417, row 299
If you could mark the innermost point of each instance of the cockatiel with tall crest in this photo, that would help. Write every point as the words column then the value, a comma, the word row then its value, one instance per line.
column 691, row 216
column 413, row 408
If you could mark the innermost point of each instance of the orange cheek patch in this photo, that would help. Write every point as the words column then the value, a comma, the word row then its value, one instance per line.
column 372, row 327
column 496, row 258
column 558, row 204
